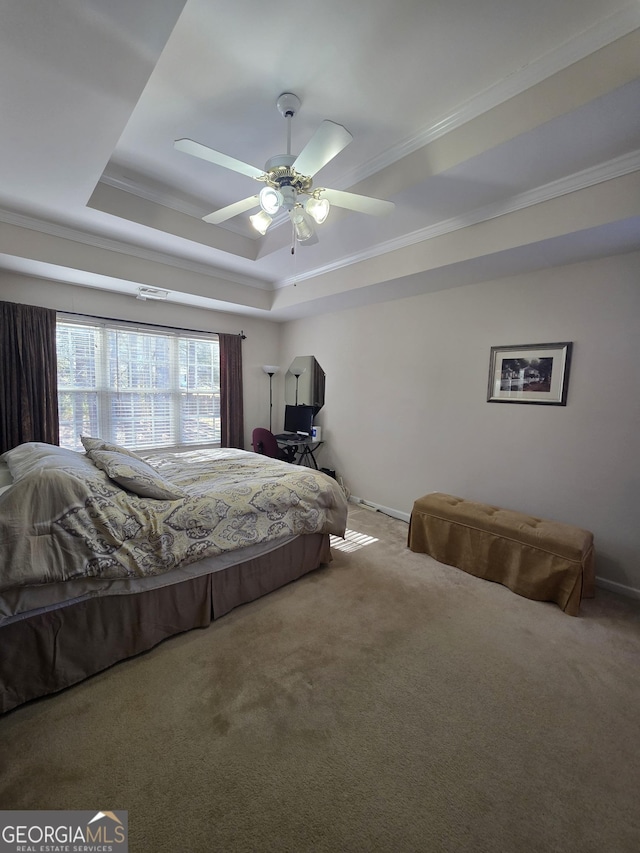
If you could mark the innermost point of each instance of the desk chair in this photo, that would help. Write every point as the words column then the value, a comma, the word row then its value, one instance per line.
column 264, row 442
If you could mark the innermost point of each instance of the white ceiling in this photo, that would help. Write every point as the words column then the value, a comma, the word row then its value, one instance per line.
column 506, row 132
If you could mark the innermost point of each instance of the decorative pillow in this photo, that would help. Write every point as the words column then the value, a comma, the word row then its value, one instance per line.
column 31, row 455
column 100, row 444
column 135, row 475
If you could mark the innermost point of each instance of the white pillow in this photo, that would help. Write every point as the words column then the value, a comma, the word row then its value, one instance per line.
column 26, row 457
column 100, row 444
column 135, row 475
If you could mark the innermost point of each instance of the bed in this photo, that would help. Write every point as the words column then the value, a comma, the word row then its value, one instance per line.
column 106, row 553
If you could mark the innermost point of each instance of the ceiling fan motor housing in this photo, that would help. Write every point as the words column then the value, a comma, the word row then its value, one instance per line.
column 289, row 197
column 280, row 174
column 281, row 161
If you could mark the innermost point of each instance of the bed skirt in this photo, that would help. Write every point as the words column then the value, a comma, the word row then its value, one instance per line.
column 51, row 650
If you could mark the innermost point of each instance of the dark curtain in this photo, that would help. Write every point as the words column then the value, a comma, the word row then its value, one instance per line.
column 231, row 406
column 28, row 375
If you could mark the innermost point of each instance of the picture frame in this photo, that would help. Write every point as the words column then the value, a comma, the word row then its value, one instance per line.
column 537, row 374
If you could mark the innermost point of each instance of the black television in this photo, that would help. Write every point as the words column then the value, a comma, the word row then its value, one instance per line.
column 299, row 419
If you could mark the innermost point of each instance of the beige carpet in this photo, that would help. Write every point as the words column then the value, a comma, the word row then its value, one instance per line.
column 385, row 703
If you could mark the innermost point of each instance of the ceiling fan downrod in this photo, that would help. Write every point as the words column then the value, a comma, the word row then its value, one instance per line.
column 288, row 105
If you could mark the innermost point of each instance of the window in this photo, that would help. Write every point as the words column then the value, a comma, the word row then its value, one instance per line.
column 137, row 386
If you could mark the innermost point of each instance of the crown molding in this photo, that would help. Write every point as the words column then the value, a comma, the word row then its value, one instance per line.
column 578, row 47
column 616, row 168
column 156, row 196
column 599, row 35
column 165, row 199
column 67, row 233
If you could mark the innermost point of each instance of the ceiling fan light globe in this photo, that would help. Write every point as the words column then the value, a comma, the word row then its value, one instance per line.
column 318, row 209
column 301, row 225
column 261, row 221
column 270, row 200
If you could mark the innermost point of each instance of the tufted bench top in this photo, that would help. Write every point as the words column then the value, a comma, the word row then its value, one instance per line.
column 541, row 559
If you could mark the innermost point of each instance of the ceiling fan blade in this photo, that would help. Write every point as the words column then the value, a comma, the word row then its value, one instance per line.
column 231, row 210
column 328, row 140
column 359, row 203
column 188, row 146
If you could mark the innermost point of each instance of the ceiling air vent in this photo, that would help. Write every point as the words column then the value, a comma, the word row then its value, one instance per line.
column 151, row 293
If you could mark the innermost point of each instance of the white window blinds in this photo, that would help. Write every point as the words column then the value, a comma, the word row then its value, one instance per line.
column 137, row 386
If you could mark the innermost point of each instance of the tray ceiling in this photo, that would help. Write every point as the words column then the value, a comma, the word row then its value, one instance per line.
column 506, row 133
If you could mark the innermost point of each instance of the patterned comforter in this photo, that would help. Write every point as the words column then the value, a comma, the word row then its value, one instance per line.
column 65, row 518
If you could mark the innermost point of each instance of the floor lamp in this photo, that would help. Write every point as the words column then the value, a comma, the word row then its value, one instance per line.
column 297, row 372
column 270, row 369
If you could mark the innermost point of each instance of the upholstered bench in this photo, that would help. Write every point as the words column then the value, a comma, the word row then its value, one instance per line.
column 542, row 560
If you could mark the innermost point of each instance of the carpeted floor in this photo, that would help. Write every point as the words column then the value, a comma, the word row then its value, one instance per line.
column 384, row 703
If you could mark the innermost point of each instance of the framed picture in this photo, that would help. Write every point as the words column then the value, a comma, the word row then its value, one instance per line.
column 531, row 373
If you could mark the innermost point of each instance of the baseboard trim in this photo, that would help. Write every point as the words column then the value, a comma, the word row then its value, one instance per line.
column 620, row 588
column 387, row 510
column 612, row 586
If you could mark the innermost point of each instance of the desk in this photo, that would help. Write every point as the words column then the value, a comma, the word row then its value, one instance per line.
column 305, row 449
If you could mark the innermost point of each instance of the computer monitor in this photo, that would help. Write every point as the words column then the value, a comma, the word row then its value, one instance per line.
column 298, row 419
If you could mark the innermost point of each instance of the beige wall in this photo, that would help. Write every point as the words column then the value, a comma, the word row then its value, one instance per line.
column 260, row 347
column 406, row 410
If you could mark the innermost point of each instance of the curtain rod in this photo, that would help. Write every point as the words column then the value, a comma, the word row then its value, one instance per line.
column 240, row 334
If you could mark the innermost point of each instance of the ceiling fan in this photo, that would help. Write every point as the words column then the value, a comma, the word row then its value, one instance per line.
column 288, row 180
